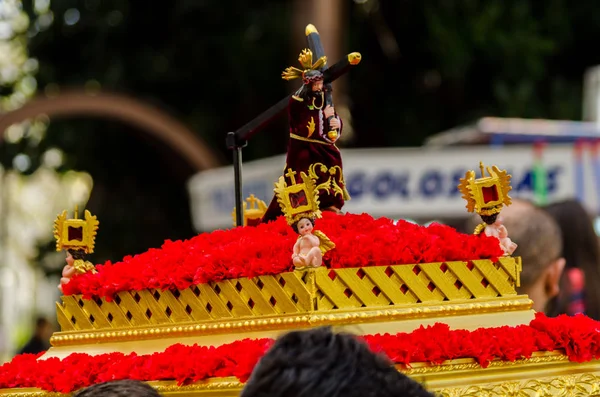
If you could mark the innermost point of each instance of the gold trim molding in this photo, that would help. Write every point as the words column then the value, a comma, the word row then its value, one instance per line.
column 544, row 374
column 520, row 303
column 294, row 293
column 580, row 385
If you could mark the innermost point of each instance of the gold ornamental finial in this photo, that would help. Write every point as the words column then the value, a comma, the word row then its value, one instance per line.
column 77, row 236
column 297, row 200
column 486, row 195
column 253, row 211
column 310, row 28
column 354, row 58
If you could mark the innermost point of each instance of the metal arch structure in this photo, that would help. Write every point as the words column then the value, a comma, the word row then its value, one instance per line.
column 132, row 111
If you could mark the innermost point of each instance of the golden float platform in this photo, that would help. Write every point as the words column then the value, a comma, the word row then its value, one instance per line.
column 465, row 295
column 368, row 300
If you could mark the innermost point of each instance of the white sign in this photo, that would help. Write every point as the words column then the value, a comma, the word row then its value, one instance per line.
column 396, row 183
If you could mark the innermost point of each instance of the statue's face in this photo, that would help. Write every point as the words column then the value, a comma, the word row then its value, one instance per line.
column 317, row 86
column 304, row 226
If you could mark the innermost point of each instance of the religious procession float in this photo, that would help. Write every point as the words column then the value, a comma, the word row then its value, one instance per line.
column 194, row 317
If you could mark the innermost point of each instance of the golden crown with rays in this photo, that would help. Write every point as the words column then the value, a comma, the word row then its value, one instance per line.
column 486, row 195
column 297, row 200
column 306, row 61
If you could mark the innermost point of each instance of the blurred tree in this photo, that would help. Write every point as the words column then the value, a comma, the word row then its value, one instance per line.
column 427, row 66
column 179, row 58
column 463, row 59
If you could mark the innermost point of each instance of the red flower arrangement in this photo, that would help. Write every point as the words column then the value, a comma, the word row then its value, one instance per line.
column 578, row 337
column 266, row 249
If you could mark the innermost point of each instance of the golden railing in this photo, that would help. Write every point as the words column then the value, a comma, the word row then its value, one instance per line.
column 298, row 292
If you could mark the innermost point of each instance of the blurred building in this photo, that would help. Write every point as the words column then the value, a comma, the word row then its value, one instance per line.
column 421, row 183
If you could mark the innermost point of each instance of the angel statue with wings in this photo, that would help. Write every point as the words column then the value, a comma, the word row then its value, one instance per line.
column 486, row 196
column 299, row 203
column 78, row 237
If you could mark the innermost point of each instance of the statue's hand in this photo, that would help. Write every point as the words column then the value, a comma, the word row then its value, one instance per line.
column 334, row 123
column 329, row 111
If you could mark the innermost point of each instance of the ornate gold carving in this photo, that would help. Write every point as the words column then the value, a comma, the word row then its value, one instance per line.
column 310, row 28
column 568, row 386
column 311, row 127
column 330, row 184
column 399, row 289
column 412, row 284
column 354, row 58
column 486, row 195
column 29, row 392
column 254, row 209
column 297, row 200
column 286, row 321
column 76, row 234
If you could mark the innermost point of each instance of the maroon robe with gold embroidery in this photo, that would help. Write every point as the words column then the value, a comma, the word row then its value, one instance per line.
column 308, row 144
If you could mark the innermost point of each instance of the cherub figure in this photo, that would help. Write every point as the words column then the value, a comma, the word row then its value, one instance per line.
column 68, row 272
column 299, row 202
column 486, row 196
column 310, row 246
column 75, row 265
column 78, row 237
column 493, row 227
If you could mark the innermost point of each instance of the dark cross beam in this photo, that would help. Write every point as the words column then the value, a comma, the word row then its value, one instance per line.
column 238, row 139
column 313, row 38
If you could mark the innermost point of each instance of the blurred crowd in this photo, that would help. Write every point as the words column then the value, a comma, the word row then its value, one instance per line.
column 560, row 253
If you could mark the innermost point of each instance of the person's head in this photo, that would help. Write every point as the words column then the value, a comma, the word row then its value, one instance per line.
column 321, row 363
column 43, row 328
column 539, row 245
column 304, row 226
column 581, row 249
column 317, row 86
column 312, row 84
column 119, row 388
column 313, row 79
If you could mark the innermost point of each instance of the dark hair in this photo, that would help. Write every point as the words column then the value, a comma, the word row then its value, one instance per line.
column 581, row 249
column 489, row 219
column 77, row 254
column 320, row 363
column 295, row 224
column 311, row 76
column 119, row 388
column 41, row 321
